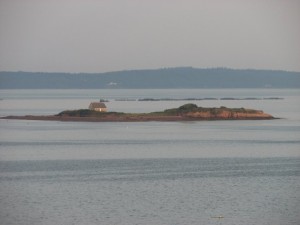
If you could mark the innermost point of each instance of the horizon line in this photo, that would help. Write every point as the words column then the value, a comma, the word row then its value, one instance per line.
column 161, row 68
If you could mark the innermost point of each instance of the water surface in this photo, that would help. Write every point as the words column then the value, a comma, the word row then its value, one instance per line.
column 206, row 172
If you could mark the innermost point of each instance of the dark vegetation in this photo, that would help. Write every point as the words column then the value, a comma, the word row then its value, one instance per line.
column 194, row 108
column 88, row 113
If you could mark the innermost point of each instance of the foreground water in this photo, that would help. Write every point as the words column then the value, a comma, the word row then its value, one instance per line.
column 153, row 191
column 214, row 172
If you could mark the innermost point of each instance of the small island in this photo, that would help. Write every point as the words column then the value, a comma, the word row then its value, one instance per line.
column 187, row 112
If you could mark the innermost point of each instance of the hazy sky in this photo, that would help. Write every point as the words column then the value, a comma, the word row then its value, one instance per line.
column 109, row 35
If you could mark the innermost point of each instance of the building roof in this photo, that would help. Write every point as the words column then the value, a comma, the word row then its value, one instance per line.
column 95, row 105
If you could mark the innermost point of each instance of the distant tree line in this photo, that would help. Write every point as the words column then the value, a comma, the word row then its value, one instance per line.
column 183, row 77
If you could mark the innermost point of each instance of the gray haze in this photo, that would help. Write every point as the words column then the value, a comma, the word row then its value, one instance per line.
column 110, row 35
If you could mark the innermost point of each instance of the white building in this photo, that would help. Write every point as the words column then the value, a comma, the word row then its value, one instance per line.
column 98, row 106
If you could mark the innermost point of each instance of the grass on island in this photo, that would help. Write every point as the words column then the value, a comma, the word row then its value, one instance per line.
column 187, row 108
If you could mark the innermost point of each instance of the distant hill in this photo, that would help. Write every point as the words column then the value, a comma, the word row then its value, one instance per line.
column 183, row 77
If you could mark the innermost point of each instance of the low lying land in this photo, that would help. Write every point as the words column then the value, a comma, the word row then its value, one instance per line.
column 187, row 112
column 192, row 99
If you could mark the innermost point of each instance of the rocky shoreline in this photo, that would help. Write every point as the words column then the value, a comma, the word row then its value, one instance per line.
column 187, row 112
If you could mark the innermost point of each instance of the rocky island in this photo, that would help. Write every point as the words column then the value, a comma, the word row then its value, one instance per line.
column 187, row 112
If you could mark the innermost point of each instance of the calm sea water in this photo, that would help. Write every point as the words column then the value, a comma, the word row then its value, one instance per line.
column 163, row 173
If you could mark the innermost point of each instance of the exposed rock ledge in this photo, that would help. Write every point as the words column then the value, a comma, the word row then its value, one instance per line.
column 188, row 112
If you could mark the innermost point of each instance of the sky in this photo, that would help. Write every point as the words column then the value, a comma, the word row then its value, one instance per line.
column 111, row 35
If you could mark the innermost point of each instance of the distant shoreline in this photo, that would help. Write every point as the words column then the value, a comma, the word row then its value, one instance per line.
column 164, row 78
column 187, row 112
column 194, row 99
